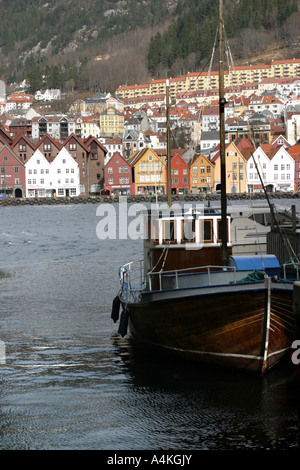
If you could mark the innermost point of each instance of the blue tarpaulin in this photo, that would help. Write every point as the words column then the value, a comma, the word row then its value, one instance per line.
column 267, row 263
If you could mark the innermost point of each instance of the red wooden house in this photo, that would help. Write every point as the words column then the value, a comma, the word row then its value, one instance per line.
column 12, row 174
column 118, row 175
column 20, row 126
column 179, row 175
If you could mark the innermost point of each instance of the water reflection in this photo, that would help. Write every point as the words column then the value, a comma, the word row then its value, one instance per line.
column 216, row 408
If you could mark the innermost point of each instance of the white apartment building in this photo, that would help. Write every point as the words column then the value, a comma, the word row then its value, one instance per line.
column 276, row 170
column 59, row 178
column 57, row 126
column 37, row 174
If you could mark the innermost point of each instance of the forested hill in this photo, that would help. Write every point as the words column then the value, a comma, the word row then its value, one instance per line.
column 140, row 39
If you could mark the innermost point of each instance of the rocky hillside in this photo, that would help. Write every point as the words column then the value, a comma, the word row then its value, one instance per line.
column 98, row 45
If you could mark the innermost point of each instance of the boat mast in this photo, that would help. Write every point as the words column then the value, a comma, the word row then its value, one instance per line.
column 222, row 102
column 168, row 145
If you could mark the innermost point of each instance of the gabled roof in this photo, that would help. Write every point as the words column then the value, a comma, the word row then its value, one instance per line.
column 22, row 137
column 74, row 136
column 133, row 160
column 5, row 135
column 12, row 153
column 92, row 138
column 45, row 137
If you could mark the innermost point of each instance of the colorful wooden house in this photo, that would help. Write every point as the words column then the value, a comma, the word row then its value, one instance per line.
column 149, row 172
column 12, row 174
column 179, row 175
column 118, row 176
column 236, row 170
column 202, row 174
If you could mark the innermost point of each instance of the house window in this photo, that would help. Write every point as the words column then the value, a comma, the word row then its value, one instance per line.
column 110, row 170
column 16, row 169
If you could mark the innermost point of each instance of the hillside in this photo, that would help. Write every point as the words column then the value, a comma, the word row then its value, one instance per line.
column 134, row 40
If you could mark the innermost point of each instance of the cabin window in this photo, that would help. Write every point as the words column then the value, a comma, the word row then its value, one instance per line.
column 219, row 237
column 207, row 232
column 188, row 230
column 169, row 232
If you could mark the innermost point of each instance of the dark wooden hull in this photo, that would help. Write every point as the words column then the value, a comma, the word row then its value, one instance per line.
column 226, row 328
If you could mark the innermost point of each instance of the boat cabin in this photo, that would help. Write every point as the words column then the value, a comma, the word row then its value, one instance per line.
column 178, row 240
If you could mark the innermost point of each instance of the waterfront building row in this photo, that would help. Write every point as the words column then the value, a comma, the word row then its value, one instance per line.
column 145, row 172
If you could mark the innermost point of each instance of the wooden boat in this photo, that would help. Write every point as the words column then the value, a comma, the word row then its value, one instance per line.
column 194, row 298
column 184, row 301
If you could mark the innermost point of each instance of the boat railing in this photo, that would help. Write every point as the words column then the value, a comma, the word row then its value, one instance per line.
column 132, row 279
column 291, row 267
column 157, row 280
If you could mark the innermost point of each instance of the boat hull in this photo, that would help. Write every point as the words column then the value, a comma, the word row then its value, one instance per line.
column 249, row 328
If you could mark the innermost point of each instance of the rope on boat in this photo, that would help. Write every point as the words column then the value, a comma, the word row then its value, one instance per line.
column 255, row 276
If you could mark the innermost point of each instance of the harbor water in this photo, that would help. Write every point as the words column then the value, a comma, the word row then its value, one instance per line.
column 68, row 381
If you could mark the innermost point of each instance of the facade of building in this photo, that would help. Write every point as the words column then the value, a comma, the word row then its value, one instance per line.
column 276, row 168
column 58, row 127
column 23, row 148
column 236, row 170
column 118, row 176
column 20, row 126
column 111, row 122
column 149, row 172
column 12, row 174
column 60, row 178
column 202, row 174
column 238, row 75
column 179, row 175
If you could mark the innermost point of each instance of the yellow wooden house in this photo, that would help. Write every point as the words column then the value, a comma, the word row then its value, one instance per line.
column 150, row 172
column 202, row 174
column 236, row 170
